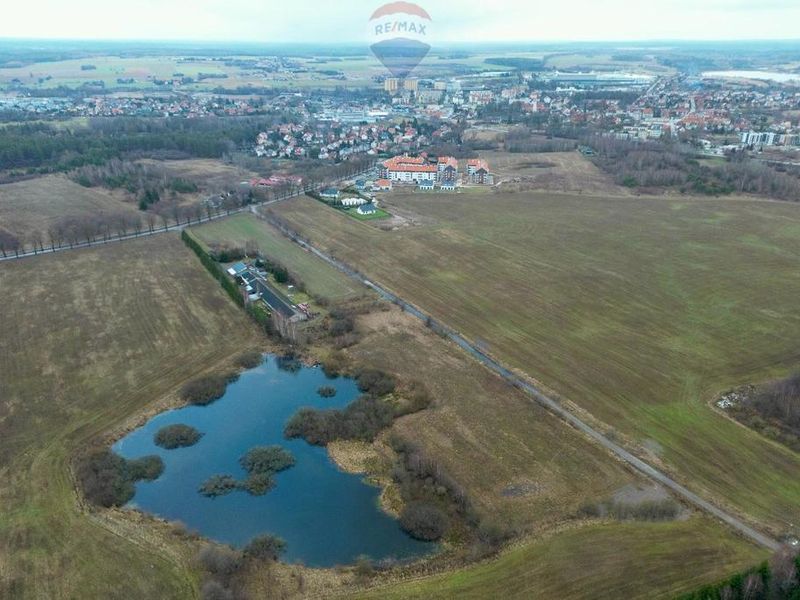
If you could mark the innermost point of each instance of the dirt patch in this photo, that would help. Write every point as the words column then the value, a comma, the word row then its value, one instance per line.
column 352, row 456
column 521, row 489
column 633, row 494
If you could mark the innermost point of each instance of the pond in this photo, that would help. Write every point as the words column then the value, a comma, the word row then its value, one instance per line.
column 327, row 517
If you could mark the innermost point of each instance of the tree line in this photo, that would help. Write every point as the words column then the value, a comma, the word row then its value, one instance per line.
column 44, row 148
column 666, row 164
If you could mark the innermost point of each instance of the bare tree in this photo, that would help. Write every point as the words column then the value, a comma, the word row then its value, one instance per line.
column 37, row 244
column 753, row 587
column 783, row 569
column 55, row 235
column 151, row 219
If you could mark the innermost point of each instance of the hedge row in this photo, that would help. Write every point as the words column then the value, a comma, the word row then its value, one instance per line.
column 213, row 267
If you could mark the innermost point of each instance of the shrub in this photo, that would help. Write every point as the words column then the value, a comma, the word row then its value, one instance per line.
column 258, row 484
column 289, row 363
column 375, row 382
column 334, row 365
column 221, row 561
column 423, row 521
column 493, row 533
column 218, row 485
column 265, row 547
column 341, row 326
column 364, row 569
column 148, row 468
column 250, row 360
column 108, row 480
column 177, row 436
column 362, row 420
column 266, row 460
column 327, row 391
column 214, row 590
column 206, row 390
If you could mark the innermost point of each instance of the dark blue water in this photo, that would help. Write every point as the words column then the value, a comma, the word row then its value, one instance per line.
column 326, row 516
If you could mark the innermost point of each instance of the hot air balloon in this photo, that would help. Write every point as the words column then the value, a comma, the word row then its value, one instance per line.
column 399, row 34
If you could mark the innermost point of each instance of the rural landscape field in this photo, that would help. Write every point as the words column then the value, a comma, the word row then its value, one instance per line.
column 399, row 300
column 630, row 308
column 103, row 349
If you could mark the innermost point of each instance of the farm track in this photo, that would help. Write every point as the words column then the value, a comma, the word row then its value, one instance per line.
column 543, row 399
column 157, row 231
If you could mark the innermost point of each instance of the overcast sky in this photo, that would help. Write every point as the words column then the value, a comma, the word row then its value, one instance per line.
column 345, row 20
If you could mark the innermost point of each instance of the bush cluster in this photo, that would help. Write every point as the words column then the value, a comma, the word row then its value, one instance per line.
column 327, row 391
column 361, row 420
column 776, row 579
column 207, row 389
column 265, row 547
column 250, row 360
column 176, row 436
column 261, row 464
column 649, row 510
column 424, row 521
column 219, row 485
column 266, row 460
column 107, row 479
column 375, row 383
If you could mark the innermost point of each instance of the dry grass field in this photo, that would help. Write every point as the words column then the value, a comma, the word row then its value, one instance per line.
column 36, row 204
column 562, row 172
column 89, row 339
column 210, row 174
column 516, row 460
column 640, row 311
column 518, row 463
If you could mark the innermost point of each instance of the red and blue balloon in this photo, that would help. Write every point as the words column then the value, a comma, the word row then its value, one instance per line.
column 400, row 34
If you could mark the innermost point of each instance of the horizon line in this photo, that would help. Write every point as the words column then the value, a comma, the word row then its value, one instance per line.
column 366, row 43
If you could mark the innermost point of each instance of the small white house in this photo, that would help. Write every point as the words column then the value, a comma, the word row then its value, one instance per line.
column 426, row 186
column 353, row 201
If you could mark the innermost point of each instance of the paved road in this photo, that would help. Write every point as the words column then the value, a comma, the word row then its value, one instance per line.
column 160, row 230
column 553, row 406
column 132, row 236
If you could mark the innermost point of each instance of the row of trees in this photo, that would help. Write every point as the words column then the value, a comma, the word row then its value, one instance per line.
column 660, row 164
column 776, row 579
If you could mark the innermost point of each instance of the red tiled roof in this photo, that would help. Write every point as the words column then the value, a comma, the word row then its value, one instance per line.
column 413, row 168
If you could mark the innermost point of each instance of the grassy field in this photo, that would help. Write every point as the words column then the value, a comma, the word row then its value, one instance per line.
column 516, row 460
column 91, row 338
column 568, row 565
column 563, row 172
column 35, row 204
column 210, row 174
column 521, row 465
column 320, row 279
column 638, row 310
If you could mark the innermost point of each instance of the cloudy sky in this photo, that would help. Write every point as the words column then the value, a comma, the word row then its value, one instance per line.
column 460, row 21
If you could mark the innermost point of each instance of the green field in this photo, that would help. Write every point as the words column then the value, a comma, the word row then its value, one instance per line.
column 638, row 310
column 89, row 339
column 568, row 565
column 320, row 279
column 522, row 466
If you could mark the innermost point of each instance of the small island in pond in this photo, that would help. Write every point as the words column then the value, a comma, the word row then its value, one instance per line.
column 261, row 463
column 176, row 436
column 327, row 391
